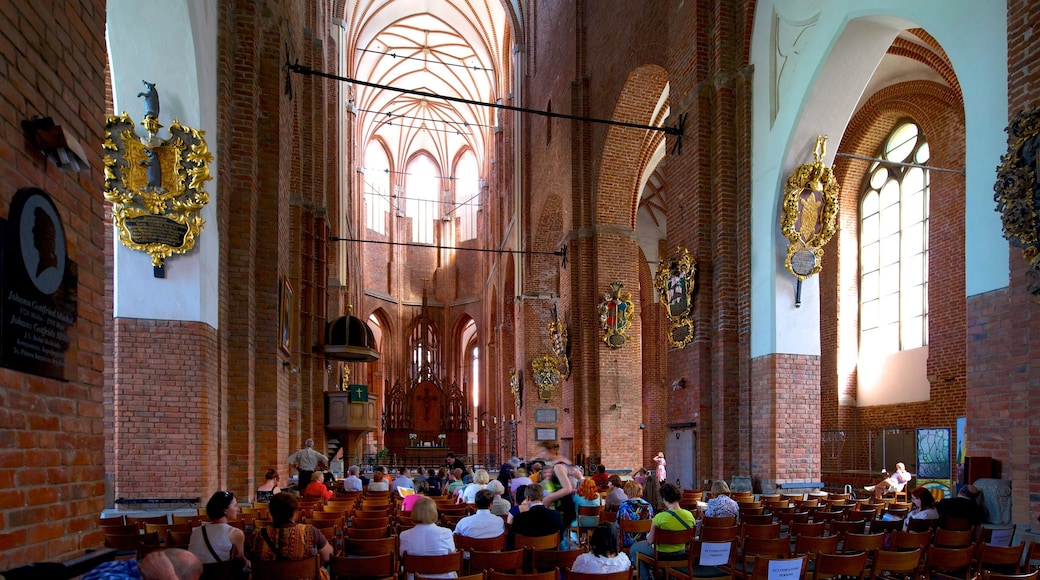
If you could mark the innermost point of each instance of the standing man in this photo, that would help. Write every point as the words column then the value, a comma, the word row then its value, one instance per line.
column 305, row 461
column 453, row 463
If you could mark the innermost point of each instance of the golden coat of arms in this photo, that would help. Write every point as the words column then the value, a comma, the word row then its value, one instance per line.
column 546, row 376
column 810, row 214
column 156, row 185
column 675, row 285
column 558, row 343
column 616, row 312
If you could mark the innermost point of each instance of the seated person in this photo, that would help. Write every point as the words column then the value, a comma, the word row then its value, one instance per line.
column 520, row 479
column 379, row 480
column 265, row 492
column 587, row 496
column 426, row 538
column 616, row 494
column 673, row 518
column 721, row 505
column 894, row 483
column 924, row 505
column 469, row 492
column 352, row 482
column 316, row 488
column 634, row 508
column 538, row 520
column 500, row 506
column 601, row 477
column 284, row 539
column 216, row 540
column 967, row 505
column 422, row 488
column 402, row 480
column 604, row 556
column 168, row 563
column 483, row 523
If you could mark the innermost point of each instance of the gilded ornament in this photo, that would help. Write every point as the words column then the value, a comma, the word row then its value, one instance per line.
column 546, row 376
column 616, row 313
column 1017, row 192
column 675, row 282
column 810, row 214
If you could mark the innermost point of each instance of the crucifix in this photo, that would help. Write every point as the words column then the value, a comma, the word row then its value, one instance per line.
column 427, row 398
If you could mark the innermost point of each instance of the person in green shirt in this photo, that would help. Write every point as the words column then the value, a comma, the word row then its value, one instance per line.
column 672, row 518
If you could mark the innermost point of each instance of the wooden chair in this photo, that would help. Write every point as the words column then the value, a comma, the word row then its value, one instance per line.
column 799, row 529
column 1032, row 555
column 141, row 521
column 865, row 515
column 619, row 575
column 948, row 562
column 841, row 528
column 723, row 522
column 495, row 575
column 750, row 511
column 504, row 561
column 890, row 564
column 121, row 530
column 1000, row 559
column 442, row 564
column 549, row 542
column 911, row 540
column 862, row 543
column 882, row 526
column 128, row 544
column 476, row 576
column 895, row 513
column 1005, row 535
column 987, row 575
column 368, row 533
column 632, row 527
column 375, row 567
column 369, row 523
column 177, row 539
column 777, row 548
column 719, row 534
column 761, row 568
column 953, row 538
column 193, row 521
column 546, row 560
column 914, row 525
column 786, row 519
column 661, row 560
column 843, row 565
column 807, row 545
column 466, row 543
column 288, row 569
column 756, row 519
column 163, row 529
column 827, row 516
column 760, row 531
column 953, row 523
column 111, row 521
column 373, row 547
column 698, row 567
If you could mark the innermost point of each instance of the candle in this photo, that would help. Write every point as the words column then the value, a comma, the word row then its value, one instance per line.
column 512, row 417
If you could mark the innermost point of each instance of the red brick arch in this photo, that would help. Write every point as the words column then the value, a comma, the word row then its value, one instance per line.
column 627, row 151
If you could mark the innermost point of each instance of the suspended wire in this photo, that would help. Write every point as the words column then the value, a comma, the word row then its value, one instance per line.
column 388, row 171
column 561, row 253
column 445, row 121
column 677, row 130
column 426, row 60
column 450, row 131
column 374, row 192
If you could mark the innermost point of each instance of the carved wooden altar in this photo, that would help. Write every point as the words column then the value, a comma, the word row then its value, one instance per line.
column 426, row 408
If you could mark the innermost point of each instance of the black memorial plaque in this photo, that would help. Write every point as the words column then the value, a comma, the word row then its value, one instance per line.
column 156, row 229
column 37, row 287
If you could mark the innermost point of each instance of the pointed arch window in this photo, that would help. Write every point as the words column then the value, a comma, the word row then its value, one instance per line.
column 467, row 196
column 376, row 174
column 425, row 347
column 894, row 245
column 422, row 190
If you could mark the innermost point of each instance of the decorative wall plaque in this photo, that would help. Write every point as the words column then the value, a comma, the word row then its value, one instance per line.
column 38, row 287
column 558, row 343
column 809, row 215
column 675, row 284
column 516, row 387
column 155, row 185
column 1017, row 192
column 616, row 312
column 546, row 376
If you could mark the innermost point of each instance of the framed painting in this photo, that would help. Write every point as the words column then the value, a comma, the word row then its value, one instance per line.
column 285, row 319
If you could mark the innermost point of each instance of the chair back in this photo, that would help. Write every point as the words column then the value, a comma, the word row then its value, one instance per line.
column 778, row 568
column 885, row 526
column 756, row 519
column 750, row 511
column 862, row 542
column 141, row 521
column 1000, row 559
column 369, row 547
column 369, row 523
column 760, row 531
column 368, row 533
column 953, row 538
column 546, row 560
column 949, row 560
column 441, row 564
column 996, row 536
column 221, row 570
column 632, row 527
column 112, row 521
column 719, row 533
column 538, row 542
column 955, row 523
column 177, row 539
column 504, row 561
column 816, row 545
column 723, row 522
column 840, row 528
column 911, row 540
column 844, row 565
column 466, row 543
column 378, row 566
column 496, row 575
column 897, row 563
column 799, row 529
column 287, row 569
column 590, row 510
column 769, row 547
column 916, row 525
column 619, row 575
column 987, row 575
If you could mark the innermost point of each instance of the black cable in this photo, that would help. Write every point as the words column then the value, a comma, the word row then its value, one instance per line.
column 486, row 250
column 305, row 70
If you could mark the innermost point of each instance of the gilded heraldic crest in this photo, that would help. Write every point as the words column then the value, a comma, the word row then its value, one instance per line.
column 616, row 312
column 810, row 213
column 546, row 376
column 675, row 285
column 156, row 185
column 558, row 343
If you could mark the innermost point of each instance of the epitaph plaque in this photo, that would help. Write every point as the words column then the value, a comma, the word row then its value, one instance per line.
column 37, row 287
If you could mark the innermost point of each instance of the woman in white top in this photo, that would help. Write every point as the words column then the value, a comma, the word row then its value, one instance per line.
column 924, row 505
column 216, row 541
column 603, row 557
column 426, row 538
column 480, row 481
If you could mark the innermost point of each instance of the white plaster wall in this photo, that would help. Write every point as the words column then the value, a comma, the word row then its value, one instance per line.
column 171, row 43
column 893, row 379
column 828, row 52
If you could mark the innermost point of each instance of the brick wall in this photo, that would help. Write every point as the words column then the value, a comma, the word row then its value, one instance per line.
column 52, row 456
